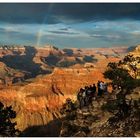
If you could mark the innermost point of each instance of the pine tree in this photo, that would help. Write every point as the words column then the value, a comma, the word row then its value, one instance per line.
column 7, row 127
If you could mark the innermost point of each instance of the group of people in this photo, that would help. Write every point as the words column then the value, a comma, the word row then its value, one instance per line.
column 85, row 95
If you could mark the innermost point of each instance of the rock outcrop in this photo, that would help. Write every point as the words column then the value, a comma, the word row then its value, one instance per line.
column 103, row 118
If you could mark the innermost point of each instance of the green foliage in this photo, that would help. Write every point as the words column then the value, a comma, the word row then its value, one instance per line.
column 128, row 58
column 119, row 76
column 131, row 62
column 7, row 127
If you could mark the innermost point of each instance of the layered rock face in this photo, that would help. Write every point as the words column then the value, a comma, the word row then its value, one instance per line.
column 9, row 75
column 56, row 75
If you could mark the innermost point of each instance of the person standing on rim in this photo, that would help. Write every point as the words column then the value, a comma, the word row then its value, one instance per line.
column 99, row 88
column 93, row 90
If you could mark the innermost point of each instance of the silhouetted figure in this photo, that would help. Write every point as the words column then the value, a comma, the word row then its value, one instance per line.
column 80, row 98
column 84, row 98
column 99, row 88
column 105, row 88
column 93, row 90
column 88, row 92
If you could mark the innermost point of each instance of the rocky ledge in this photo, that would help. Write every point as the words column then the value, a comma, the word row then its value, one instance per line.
column 104, row 117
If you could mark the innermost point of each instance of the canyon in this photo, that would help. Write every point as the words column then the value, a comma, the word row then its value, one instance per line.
column 37, row 81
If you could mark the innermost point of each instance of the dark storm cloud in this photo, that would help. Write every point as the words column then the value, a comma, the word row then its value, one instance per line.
column 105, row 37
column 64, row 29
column 67, row 13
column 62, row 32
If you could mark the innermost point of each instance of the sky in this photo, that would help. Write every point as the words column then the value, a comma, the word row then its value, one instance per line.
column 64, row 25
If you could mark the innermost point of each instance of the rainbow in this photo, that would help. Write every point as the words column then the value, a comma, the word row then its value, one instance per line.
column 40, row 32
